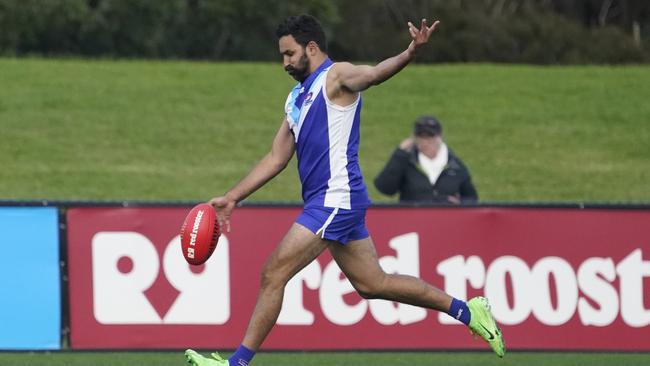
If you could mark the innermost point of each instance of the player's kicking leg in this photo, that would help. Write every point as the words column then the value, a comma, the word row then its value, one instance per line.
column 297, row 249
column 358, row 260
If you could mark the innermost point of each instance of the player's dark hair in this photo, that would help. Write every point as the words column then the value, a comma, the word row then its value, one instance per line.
column 304, row 29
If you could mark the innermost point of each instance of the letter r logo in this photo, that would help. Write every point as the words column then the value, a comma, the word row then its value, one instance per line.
column 119, row 294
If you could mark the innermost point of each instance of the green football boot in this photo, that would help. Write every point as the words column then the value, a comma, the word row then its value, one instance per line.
column 197, row 360
column 482, row 323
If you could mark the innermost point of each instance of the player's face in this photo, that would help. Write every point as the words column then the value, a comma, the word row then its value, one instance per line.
column 294, row 58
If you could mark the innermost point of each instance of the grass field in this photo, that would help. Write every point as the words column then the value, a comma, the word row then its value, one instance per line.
column 335, row 359
column 139, row 130
column 74, row 129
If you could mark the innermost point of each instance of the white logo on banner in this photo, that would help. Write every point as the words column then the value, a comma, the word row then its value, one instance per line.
column 332, row 288
column 118, row 298
column 531, row 289
column 599, row 291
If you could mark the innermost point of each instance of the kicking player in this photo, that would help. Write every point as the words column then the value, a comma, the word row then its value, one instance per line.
column 321, row 125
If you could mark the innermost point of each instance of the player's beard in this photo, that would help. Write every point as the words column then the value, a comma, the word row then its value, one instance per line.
column 301, row 71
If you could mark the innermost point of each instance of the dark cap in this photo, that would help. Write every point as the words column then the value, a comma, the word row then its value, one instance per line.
column 427, row 126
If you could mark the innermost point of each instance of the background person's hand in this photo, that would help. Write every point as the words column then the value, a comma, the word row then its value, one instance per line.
column 407, row 144
column 455, row 199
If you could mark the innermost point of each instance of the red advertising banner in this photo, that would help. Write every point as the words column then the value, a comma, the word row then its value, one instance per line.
column 563, row 279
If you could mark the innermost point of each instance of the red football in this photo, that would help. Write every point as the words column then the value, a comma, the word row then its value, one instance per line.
column 199, row 234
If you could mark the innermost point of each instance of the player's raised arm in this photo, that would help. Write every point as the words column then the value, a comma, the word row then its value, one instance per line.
column 356, row 78
column 271, row 164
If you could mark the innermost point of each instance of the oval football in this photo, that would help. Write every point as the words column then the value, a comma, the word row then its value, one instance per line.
column 199, row 234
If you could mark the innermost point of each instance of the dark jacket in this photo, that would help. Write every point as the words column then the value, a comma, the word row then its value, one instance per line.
column 404, row 174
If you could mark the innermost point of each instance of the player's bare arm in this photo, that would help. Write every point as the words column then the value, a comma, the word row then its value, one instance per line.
column 346, row 79
column 271, row 165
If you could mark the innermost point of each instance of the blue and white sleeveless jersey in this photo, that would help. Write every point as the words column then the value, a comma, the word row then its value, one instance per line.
column 327, row 145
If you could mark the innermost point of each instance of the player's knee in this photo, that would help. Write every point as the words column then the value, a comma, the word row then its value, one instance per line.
column 369, row 290
column 367, row 294
column 371, row 287
column 273, row 277
column 270, row 278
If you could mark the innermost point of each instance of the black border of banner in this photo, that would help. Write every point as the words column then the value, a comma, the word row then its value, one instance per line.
column 136, row 203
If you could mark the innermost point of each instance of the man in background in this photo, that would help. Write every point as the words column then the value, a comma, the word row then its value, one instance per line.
column 424, row 169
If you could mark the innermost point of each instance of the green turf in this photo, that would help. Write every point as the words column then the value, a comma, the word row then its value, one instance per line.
column 74, row 129
column 334, row 359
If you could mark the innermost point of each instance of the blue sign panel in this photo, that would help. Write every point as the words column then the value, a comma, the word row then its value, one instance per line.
column 30, row 282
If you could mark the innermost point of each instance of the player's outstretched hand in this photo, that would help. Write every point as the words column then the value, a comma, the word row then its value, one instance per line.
column 421, row 36
column 224, row 206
